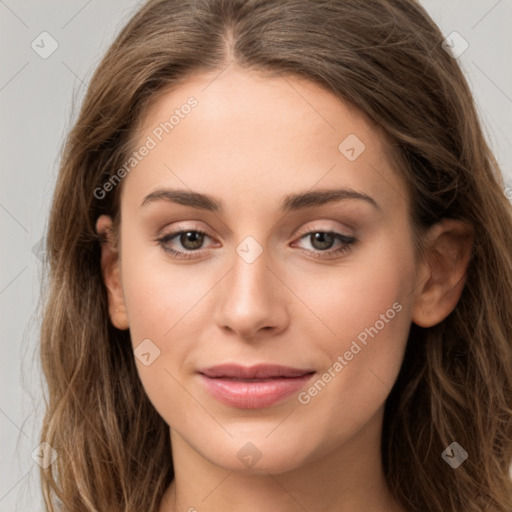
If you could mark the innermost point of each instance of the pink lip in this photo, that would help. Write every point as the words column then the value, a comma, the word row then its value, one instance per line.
column 253, row 387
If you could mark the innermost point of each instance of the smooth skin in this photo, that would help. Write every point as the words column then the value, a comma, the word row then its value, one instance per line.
column 251, row 141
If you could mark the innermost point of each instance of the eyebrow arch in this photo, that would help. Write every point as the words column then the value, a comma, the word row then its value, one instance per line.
column 301, row 200
column 291, row 202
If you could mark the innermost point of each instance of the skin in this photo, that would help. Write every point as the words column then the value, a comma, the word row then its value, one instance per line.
column 251, row 141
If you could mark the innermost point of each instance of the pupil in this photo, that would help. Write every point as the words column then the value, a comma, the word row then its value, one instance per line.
column 325, row 240
column 191, row 240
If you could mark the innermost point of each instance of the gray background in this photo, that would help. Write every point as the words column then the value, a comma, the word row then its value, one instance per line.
column 39, row 98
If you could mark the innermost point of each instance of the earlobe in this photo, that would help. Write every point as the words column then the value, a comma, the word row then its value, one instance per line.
column 111, row 272
column 447, row 255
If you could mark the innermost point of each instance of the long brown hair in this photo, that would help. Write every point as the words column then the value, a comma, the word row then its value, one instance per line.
column 385, row 58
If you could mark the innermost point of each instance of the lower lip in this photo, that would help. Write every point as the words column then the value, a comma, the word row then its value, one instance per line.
column 255, row 394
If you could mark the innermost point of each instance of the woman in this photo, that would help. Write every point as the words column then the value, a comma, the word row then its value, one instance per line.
column 280, row 270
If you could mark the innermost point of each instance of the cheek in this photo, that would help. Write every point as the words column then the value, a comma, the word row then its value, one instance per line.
column 368, row 311
column 160, row 312
column 159, row 295
column 351, row 297
column 165, row 305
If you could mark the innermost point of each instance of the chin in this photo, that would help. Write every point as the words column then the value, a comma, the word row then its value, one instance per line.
column 257, row 455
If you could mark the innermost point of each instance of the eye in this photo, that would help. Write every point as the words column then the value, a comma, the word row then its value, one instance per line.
column 190, row 240
column 323, row 242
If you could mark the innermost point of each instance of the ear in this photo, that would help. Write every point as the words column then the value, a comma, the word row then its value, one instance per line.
column 111, row 271
column 448, row 252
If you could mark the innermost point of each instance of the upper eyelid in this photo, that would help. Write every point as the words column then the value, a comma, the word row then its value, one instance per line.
column 347, row 230
column 305, row 230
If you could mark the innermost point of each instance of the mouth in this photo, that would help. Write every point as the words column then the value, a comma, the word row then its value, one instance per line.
column 253, row 387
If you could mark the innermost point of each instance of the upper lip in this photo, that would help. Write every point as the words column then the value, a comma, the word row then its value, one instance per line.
column 259, row 371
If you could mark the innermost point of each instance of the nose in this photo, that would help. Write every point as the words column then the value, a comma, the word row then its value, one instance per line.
column 252, row 302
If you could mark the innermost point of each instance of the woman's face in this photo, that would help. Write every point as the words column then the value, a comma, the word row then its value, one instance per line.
column 291, row 270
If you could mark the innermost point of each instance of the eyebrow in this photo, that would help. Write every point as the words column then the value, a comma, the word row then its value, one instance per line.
column 291, row 202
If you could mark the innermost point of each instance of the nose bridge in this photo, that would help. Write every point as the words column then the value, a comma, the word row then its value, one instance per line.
column 249, row 296
column 249, row 282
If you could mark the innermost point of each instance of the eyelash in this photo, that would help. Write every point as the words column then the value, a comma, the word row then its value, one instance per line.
column 347, row 242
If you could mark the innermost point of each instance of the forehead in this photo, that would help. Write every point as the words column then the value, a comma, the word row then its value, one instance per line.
column 294, row 104
column 253, row 134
